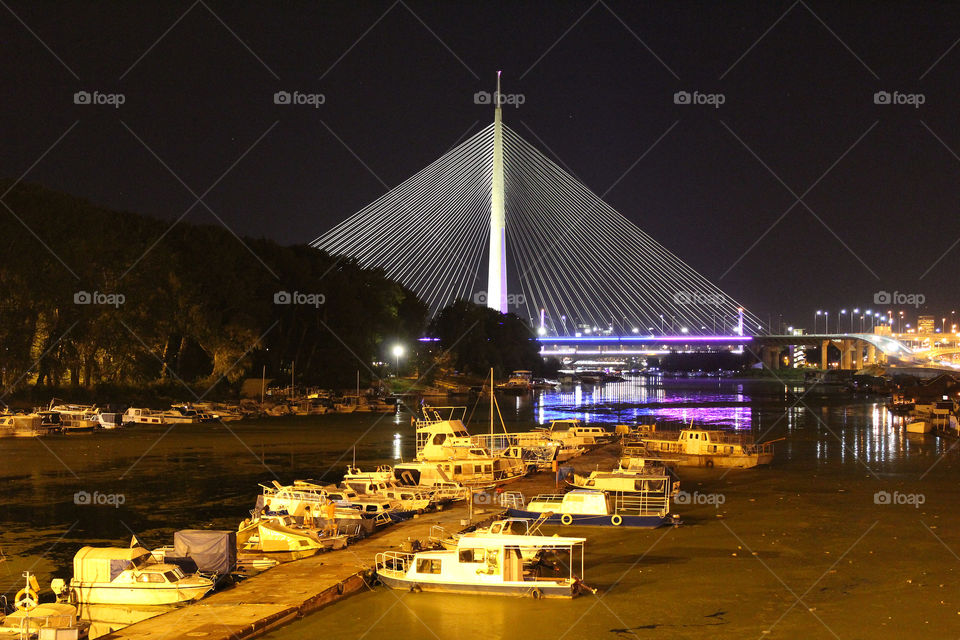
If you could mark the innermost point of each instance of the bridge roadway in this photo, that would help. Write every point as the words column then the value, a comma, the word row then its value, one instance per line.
column 855, row 348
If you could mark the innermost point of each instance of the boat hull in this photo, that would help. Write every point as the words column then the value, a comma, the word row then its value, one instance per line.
column 591, row 520
column 132, row 595
column 547, row 589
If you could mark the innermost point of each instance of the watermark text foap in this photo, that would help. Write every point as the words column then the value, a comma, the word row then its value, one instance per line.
column 885, row 497
column 887, row 298
column 97, row 297
column 298, row 98
column 97, row 98
column 693, row 297
column 896, row 98
column 683, row 497
column 513, row 299
column 485, row 97
column 296, row 297
column 710, row 99
column 97, row 499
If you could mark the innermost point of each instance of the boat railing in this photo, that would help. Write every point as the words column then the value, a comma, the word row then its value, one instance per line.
column 643, row 502
column 393, row 561
column 511, row 500
column 552, row 498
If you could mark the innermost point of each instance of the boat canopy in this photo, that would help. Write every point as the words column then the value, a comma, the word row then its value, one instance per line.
column 103, row 564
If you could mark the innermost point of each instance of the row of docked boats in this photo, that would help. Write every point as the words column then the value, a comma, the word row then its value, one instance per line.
column 512, row 557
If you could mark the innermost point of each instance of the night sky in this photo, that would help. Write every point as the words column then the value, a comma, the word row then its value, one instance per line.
column 879, row 182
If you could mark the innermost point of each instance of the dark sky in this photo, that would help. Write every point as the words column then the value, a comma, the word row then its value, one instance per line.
column 598, row 81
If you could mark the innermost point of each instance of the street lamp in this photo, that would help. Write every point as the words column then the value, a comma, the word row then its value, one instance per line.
column 839, row 316
column 397, row 352
column 819, row 313
column 826, row 322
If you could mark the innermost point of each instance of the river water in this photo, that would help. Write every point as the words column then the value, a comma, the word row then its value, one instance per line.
column 853, row 532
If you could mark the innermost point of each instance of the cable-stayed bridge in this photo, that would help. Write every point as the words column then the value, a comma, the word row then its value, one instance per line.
column 497, row 222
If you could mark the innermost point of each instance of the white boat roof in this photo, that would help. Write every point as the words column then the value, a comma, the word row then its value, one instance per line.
column 497, row 540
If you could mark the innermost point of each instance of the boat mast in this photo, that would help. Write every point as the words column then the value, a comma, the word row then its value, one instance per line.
column 492, row 400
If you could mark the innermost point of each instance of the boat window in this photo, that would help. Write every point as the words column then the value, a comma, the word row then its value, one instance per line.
column 427, row 565
column 170, row 576
column 371, row 508
column 151, row 577
column 456, row 469
column 472, row 555
column 489, row 468
column 495, row 528
column 478, row 468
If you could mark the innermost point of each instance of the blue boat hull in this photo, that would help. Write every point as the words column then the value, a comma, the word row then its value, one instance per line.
column 584, row 520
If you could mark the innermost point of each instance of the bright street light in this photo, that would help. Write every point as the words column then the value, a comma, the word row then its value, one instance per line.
column 397, row 352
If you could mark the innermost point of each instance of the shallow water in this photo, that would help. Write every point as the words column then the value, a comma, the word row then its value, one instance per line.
column 803, row 517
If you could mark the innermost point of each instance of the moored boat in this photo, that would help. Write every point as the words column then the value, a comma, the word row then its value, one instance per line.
column 704, row 448
column 486, row 564
column 113, row 575
column 582, row 507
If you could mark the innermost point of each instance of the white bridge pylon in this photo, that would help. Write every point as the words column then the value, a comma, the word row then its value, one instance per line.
column 571, row 257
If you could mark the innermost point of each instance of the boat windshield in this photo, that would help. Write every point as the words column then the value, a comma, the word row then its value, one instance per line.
column 172, row 576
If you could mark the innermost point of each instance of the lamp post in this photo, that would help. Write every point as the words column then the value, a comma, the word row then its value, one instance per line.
column 397, row 352
column 819, row 313
column 855, row 311
column 839, row 317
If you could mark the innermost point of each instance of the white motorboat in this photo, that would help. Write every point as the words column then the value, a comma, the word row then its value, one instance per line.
column 580, row 507
column 574, row 434
column 273, row 534
column 135, row 415
column 487, row 564
column 113, row 575
column 410, row 499
column 447, row 453
column 23, row 425
column 76, row 418
column 518, row 382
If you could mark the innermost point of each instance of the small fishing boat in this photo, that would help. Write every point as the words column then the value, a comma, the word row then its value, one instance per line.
column 488, row 564
column 113, row 575
column 920, row 426
column 581, row 507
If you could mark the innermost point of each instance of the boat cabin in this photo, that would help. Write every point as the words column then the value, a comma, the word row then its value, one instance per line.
column 486, row 564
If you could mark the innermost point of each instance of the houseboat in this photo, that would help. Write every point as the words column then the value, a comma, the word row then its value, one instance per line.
column 704, row 448
column 487, row 564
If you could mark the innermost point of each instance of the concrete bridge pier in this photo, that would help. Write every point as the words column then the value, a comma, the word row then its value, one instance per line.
column 846, row 354
column 824, row 349
column 871, row 353
column 770, row 356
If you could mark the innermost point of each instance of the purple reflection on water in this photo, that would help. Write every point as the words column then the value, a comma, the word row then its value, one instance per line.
column 636, row 402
